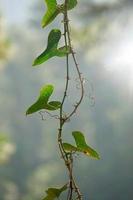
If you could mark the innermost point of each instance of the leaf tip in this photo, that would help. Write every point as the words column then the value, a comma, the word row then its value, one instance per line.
column 27, row 113
column 98, row 157
column 34, row 63
column 43, row 24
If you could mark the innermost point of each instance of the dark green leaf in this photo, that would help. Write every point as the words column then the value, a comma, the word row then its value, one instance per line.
column 42, row 102
column 51, row 50
column 53, row 40
column 53, row 193
column 82, row 146
column 71, row 4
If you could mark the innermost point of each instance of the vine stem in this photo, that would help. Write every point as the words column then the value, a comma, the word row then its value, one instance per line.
column 68, row 159
column 79, row 75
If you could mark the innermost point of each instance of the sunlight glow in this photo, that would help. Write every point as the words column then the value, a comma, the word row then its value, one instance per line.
column 120, row 60
column 122, row 57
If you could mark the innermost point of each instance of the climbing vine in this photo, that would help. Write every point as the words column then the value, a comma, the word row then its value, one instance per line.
column 67, row 150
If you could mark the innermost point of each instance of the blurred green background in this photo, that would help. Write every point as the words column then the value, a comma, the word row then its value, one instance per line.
column 102, row 33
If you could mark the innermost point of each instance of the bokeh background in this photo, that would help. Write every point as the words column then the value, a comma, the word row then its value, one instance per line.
column 102, row 33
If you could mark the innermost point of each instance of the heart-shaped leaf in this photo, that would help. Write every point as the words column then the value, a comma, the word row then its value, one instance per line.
column 81, row 146
column 51, row 50
column 53, row 10
column 42, row 102
column 53, row 193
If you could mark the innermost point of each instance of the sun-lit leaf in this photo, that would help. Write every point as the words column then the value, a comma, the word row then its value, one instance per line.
column 53, row 105
column 51, row 13
column 42, row 102
column 51, row 50
column 54, row 193
column 82, row 146
column 79, row 138
column 62, row 51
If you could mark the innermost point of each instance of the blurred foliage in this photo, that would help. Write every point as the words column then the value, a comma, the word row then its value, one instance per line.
column 100, row 19
column 4, row 42
column 6, row 149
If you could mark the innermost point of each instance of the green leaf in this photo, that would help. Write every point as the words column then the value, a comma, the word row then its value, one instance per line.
column 51, row 13
column 53, row 39
column 51, row 50
column 53, row 10
column 82, row 146
column 53, row 105
column 42, row 102
column 71, row 4
column 70, row 148
column 53, row 193
column 62, row 51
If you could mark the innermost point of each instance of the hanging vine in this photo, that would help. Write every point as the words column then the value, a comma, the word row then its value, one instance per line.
column 43, row 104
